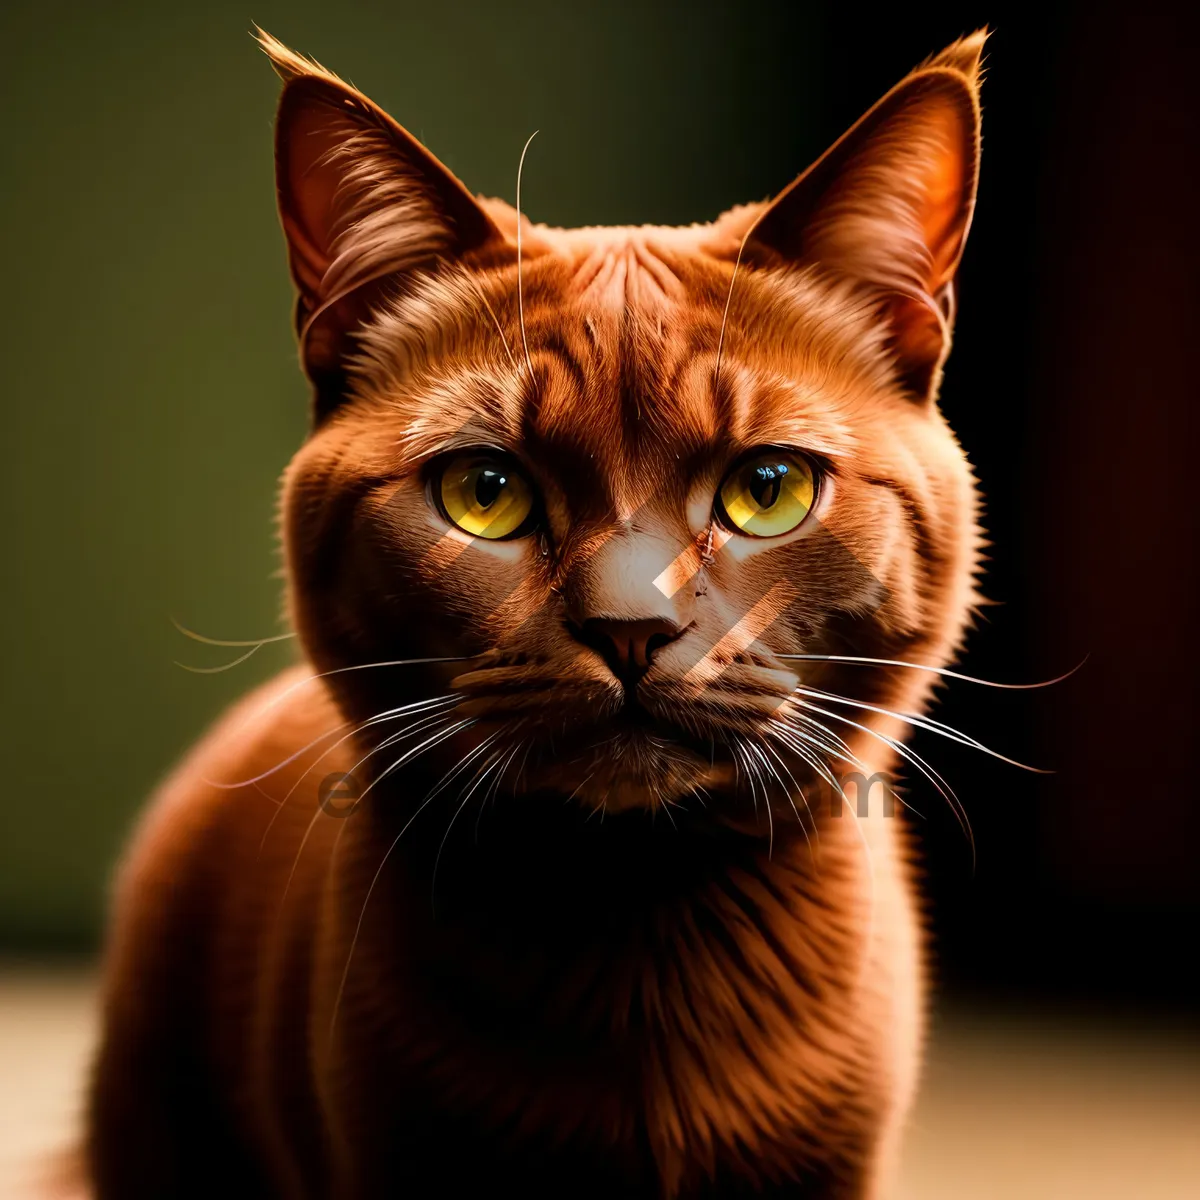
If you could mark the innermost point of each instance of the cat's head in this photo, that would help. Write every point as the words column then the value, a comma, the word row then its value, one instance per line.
column 620, row 473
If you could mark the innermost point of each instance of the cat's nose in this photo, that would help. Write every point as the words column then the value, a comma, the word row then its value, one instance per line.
column 627, row 646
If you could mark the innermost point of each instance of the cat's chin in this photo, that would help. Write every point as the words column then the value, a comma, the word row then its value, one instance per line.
column 633, row 773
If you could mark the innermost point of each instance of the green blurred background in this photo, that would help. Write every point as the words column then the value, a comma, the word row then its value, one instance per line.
column 152, row 395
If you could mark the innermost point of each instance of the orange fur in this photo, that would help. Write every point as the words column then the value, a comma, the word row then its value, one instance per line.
column 566, row 975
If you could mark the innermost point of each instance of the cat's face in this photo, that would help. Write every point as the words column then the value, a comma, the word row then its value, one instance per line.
column 619, row 479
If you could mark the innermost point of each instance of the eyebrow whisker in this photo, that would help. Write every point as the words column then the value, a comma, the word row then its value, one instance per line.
column 520, row 276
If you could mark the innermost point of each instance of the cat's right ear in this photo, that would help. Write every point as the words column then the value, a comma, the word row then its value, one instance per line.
column 363, row 206
column 889, row 205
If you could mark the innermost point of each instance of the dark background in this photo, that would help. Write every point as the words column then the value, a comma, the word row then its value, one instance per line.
column 151, row 398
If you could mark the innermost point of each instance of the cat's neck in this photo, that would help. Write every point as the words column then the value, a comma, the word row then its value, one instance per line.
column 525, row 901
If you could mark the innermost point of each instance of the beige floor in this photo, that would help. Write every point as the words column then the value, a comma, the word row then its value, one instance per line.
column 1011, row 1108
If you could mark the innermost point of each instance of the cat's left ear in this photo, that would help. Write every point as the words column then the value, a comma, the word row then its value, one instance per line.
column 889, row 206
column 364, row 207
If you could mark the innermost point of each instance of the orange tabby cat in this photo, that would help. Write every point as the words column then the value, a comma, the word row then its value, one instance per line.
column 524, row 881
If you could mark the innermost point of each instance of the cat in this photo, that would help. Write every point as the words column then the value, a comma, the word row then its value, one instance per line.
column 611, row 551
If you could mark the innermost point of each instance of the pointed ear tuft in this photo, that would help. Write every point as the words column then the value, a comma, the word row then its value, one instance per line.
column 364, row 208
column 964, row 56
column 287, row 63
column 888, row 207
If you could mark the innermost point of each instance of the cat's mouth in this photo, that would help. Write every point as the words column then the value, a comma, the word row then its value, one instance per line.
column 626, row 759
column 615, row 749
column 634, row 718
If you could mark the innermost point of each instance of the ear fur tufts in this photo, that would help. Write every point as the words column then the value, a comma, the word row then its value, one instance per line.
column 288, row 64
column 964, row 56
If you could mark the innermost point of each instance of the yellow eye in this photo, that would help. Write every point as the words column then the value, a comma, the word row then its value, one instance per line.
column 768, row 494
column 485, row 495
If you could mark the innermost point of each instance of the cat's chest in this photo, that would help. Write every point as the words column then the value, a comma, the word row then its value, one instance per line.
column 677, row 1038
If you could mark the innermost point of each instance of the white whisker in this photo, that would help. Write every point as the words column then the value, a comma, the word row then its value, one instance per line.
column 337, row 1003
column 849, row 757
column 492, row 792
column 737, row 262
column 399, row 736
column 209, row 641
column 299, row 852
column 396, row 662
column 785, row 735
column 480, row 776
column 768, row 748
column 770, row 818
column 237, row 662
column 520, row 275
column 910, row 755
column 291, row 758
column 434, row 739
column 926, row 723
column 857, row 661
column 407, row 731
column 788, row 736
column 495, row 320
column 390, row 715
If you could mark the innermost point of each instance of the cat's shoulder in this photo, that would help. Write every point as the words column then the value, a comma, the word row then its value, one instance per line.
column 235, row 770
column 263, row 727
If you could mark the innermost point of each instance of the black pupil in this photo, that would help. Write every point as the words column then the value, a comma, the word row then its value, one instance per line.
column 489, row 483
column 765, row 483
